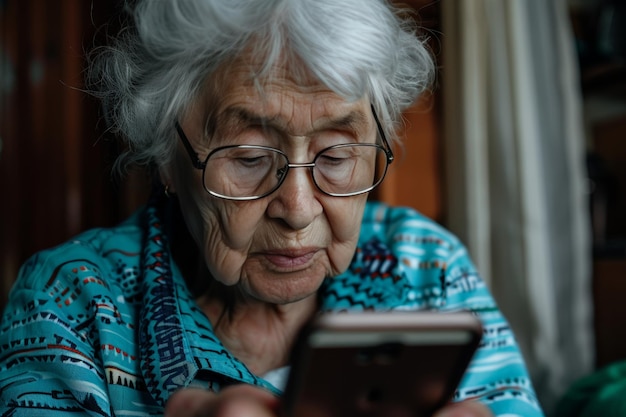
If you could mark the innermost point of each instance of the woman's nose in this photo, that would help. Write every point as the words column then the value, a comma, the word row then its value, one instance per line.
column 296, row 201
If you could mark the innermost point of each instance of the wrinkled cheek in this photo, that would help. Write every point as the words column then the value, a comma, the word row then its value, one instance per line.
column 346, row 229
column 203, row 221
column 341, row 256
column 223, row 267
column 226, row 247
column 193, row 203
column 197, row 216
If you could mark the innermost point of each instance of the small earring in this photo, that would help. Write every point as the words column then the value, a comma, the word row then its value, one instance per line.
column 167, row 191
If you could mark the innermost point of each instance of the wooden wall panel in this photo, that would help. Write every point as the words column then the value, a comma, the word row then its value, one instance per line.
column 415, row 177
column 49, row 169
column 609, row 287
column 609, row 144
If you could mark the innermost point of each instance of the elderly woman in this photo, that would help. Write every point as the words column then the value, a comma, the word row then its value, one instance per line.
column 266, row 122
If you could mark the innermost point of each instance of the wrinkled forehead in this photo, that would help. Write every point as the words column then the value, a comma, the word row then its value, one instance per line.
column 261, row 73
column 248, row 81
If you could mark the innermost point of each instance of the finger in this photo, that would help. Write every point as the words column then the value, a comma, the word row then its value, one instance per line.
column 237, row 401
column 259, row 395
column 241, row 406
column 189, row 402
column 465, row 409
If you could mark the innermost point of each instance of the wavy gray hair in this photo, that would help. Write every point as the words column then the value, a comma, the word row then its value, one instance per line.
column 156, row 68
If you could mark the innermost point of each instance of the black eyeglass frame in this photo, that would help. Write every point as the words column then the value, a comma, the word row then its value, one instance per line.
column 200, row 165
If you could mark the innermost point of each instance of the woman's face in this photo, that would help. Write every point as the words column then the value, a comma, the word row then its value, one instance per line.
column 277, row 249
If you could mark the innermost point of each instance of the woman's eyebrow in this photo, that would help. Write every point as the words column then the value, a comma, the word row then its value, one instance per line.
column 354, row 121
column 238, row 118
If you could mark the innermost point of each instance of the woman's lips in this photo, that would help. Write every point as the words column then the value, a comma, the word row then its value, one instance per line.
column 289, row 259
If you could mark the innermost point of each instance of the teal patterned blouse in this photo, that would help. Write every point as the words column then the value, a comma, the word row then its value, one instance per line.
column 105, row 325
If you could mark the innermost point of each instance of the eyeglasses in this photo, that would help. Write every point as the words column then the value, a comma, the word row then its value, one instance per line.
column 250, row 172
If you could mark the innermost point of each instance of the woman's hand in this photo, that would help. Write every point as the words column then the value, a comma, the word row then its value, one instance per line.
column 247, row 401
column 237, row 401
column 465, row 409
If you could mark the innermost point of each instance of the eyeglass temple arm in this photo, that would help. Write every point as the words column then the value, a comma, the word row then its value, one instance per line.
column 381, row 132
column 195, row 159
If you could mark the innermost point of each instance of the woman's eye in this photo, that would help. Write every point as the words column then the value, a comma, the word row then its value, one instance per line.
column 333, row 160
column 250, row 160
column 252, row 166
column 336, row 156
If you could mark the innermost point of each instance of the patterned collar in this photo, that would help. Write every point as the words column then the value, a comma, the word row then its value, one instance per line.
column 178, row 345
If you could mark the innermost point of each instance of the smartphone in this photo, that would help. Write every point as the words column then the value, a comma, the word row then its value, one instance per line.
column 370, row 364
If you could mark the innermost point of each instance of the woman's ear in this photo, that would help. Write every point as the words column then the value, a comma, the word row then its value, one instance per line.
column 165, row 174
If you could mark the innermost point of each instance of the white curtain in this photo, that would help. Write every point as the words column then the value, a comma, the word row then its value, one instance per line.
column 514, row 153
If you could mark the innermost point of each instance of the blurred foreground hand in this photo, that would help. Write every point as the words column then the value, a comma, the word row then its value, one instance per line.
column 249, row 401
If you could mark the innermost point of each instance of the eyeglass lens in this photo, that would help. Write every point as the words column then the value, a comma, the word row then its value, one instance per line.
column 250, row 171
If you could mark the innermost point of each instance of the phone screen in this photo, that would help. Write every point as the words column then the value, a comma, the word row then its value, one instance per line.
column 379, row 364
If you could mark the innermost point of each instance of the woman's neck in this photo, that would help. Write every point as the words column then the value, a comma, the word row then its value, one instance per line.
column 259, row 334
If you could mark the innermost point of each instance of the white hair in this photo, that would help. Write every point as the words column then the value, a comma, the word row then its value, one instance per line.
column 157, row 67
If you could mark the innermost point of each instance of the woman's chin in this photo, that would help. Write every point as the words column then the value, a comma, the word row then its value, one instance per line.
column 285, row 289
